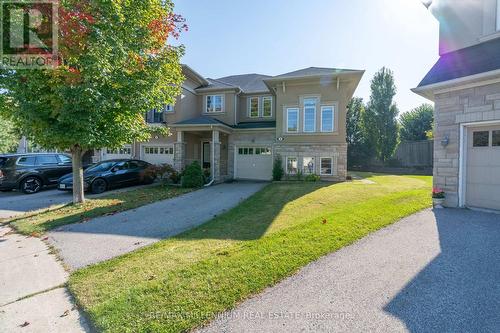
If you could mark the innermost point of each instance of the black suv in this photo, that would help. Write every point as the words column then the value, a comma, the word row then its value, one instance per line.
column 31, row 172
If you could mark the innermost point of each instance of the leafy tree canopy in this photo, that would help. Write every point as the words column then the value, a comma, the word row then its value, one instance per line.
column 9, row 138
column 381, row 115
column 417, row 123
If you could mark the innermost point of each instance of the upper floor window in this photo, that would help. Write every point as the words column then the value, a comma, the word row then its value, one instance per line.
column 214, row 103
column 155, row 116
column 267, row 106
column 168, row 108
column 498, row 15
column 254, row 107
column 327, row 117
column 292, row 120
column 310, row 114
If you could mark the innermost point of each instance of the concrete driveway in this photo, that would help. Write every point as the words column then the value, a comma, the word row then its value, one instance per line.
column 432, row 272
column 106, row 237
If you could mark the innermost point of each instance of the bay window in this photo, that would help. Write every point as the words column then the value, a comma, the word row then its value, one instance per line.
column 253, row 107
column 327, row 117
column 291, row 165
column 310, row 114
column 214, row 103
column 308, row 165
column 267, row 106
column 326, row 166
column 292, row 120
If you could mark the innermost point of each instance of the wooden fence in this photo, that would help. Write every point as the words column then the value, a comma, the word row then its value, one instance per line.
column 415, row 154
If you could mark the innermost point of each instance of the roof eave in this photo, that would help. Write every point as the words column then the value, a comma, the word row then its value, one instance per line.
column 316, row 76
column 195, row 74
column 429, row 90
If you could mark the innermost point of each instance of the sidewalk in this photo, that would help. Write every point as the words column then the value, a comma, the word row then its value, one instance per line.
column 32, row 293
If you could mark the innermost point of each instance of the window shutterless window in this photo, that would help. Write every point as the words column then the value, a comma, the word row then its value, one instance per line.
column 481, row 139
column 214, row 103
column 495, row 142
column 308, row 165
column 327, row 118
column 267, row 106
column 327, row 166
column 498, row 15
column 291, row 165
column 292, row 120
column 253, row 107
column 310, row 114
column 168, row 108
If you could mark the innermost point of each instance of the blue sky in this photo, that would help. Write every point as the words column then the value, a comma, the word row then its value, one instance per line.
column 272, row 37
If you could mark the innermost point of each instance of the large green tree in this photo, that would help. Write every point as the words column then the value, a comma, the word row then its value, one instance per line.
column 9, row 138
column 380, row 117
column 359, row 150
column 114, row 65
column 416, row 124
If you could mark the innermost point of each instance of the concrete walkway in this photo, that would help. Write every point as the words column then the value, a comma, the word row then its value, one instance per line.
column 432, row 272
column 32, row 293
column 106, row 237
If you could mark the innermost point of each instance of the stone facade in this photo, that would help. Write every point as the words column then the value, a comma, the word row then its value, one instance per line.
column 453, row 108
column 336, row 151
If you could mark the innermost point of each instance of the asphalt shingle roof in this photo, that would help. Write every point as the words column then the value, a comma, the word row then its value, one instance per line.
column 313, row 71
column 256, row 125
column 202, row 121
column 249, row 83
column 477, row 59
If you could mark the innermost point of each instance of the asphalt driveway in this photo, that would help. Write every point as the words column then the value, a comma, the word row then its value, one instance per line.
column 106, row 237
column 432, row 272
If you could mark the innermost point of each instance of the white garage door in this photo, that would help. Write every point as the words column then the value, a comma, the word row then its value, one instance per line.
column 254, row 163
column 483, row 168
column 120, row 153
column 158, row 154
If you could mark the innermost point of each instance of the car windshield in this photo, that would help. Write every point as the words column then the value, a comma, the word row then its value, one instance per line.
column 103, row 166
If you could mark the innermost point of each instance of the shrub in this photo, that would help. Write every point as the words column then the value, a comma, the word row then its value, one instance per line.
column 438, row 193
column 299, row 175
column 312, row 178
column 193, row 176
column 167, row 174
column 278, row 171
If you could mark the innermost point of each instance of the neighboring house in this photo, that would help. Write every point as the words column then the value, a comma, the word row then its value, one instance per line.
column 235, row 126
column 465, row 85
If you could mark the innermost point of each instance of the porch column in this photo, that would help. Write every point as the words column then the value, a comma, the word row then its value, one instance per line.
column 215, row 150
column 180, row 152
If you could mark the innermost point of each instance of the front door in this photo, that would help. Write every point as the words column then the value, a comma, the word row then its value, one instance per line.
column 206, row 155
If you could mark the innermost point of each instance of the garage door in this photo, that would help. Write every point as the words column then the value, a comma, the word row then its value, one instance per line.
column 254, row 163
column 120, row 153
column 158, row 154
column 483, row 168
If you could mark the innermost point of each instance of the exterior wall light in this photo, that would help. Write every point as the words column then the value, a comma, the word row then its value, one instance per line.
column 446, row 141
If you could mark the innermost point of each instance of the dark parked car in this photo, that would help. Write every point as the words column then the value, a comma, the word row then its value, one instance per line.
column 31, row 172
column 111, row 174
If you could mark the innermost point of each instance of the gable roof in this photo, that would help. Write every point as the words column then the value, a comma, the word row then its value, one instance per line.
column 313, row 71
column 477, row 59
column 248, row 83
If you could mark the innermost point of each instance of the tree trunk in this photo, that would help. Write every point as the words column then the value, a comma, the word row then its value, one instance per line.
column 77, row 154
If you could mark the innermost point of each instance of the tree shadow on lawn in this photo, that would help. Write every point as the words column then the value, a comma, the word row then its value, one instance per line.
column 459, row 291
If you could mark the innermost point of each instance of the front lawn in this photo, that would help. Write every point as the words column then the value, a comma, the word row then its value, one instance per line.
column 36, row 223
column 180, row 283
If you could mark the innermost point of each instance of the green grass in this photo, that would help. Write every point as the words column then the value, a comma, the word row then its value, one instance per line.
column 37, row 222
column 181, row 283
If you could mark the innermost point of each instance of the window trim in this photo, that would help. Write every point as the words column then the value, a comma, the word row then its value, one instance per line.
column 489, row 138
column 333, row 118
column 222, row 96
column 297, row 110
column 498, row 16
column 250, row 107
column 321, row 166
column 315, row 114
column 286, row 166
column 263, row 99
column 304, row 166
column 166, row 106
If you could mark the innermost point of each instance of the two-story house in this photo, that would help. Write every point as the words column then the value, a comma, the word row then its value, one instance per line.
column 465, row 86
column 236, row 125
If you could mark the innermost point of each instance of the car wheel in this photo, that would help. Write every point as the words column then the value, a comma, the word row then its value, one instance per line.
column 31, row 185
column 98, row 186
